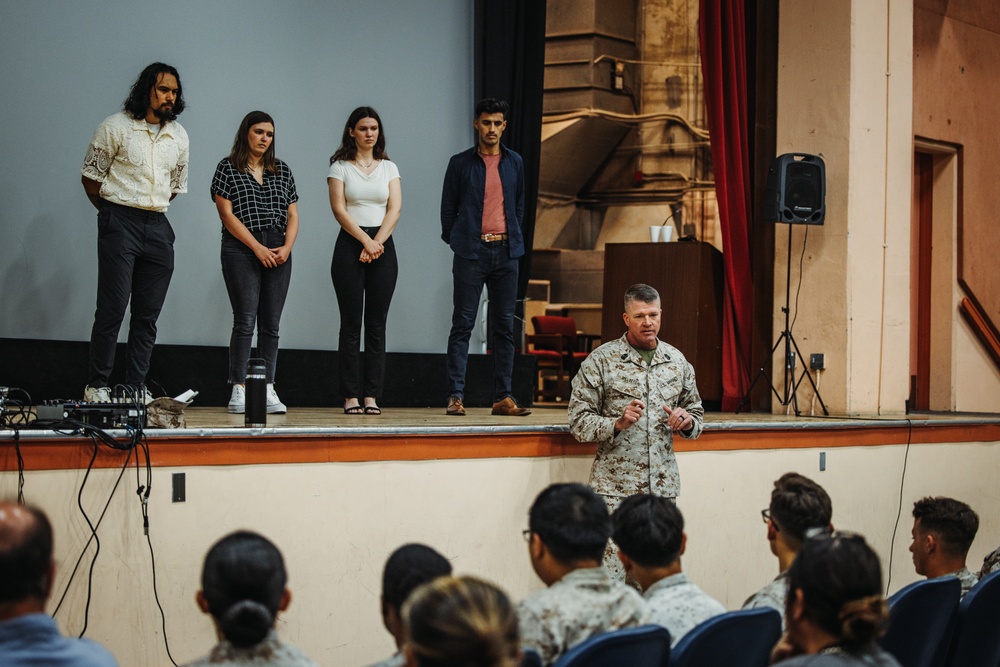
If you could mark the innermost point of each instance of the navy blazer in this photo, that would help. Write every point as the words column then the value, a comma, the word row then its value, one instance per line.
column 462, row 201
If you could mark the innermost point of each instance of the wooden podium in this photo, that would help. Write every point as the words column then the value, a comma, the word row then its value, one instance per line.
column 689, row 278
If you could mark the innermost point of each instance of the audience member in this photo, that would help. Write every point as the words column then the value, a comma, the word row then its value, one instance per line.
column 798, row 504
column 943, row 531
column 834, row 610
column 243, row 589
column 568, row 529
column 29, row 636
column 649, row 531
column 991, row 563
column 408, row 567
column 460, row 622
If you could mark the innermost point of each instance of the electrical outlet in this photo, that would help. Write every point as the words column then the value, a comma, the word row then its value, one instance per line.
column 817, row 361
column 822, row 461
column 179, row 487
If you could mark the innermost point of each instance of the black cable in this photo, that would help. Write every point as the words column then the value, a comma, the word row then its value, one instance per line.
column 144, row 499
column 899, row 508
column 20, row 467
column 798, row 289
column 83, row 551
column 93, row 532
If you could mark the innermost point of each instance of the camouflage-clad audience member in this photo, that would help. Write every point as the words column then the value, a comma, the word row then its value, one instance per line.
column 798, row 504
column 650, row 535
column 943, row 531
column 407, row 568
column 568, row 527
column 630, row 396
column 991, row 563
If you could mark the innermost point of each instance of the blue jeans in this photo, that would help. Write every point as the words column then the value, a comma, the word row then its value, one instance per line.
column 135, row 259
column 498, row 272
column 257, row 295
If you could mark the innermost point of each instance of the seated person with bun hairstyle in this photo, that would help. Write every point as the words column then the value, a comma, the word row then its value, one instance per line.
column 835, row 610
column 460, row 622
column 243, row 589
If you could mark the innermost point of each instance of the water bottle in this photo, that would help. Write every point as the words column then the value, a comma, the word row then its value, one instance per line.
column 256, row 395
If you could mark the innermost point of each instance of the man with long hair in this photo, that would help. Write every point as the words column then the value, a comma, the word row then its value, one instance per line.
column 136, row 164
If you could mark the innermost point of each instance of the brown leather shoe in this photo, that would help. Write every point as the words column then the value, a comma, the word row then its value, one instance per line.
column 509, row 408
column 455, row 407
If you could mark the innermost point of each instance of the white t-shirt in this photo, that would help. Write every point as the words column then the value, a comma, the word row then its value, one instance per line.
column 366, row 195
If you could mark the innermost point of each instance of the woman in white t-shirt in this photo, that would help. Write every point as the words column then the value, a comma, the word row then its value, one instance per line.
column 366, row 199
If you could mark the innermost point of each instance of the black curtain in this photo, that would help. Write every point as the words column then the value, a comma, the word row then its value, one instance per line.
column 510, row 65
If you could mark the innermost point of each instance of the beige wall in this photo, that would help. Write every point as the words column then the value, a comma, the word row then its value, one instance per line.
column 336, row 523
column 844, row 91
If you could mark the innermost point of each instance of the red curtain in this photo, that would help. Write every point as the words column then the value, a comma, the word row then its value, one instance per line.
column 722, row 32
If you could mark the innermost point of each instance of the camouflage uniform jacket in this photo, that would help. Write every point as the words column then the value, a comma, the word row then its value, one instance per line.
column 990, row 564
column 584, row 603
column 640, row 459
column 678, row 604
column 771, row 596
column 967, row 578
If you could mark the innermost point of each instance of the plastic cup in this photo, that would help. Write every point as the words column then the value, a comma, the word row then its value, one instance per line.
column 654, row 233
column 666, row 234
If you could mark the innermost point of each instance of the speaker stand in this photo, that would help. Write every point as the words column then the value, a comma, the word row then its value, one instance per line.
column 791, row 352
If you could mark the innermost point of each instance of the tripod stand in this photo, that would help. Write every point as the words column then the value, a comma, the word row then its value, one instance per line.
column 791, row 385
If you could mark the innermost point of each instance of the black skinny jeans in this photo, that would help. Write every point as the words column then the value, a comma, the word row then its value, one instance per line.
column 364, row 292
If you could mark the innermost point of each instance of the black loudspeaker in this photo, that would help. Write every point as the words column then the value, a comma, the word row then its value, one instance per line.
column 796, row 190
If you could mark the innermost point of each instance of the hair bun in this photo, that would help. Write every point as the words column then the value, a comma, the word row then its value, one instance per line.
column 863, row 620
column 246, row 623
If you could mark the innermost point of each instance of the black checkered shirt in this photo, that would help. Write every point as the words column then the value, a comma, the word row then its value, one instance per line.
column 257, row 206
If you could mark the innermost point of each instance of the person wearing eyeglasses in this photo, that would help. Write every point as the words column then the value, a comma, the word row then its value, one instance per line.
column 798, row 504
column 568, row 529
column 835, row 609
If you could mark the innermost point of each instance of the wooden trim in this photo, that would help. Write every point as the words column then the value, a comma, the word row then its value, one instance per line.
column 73, row 453
column 981, row 325
column 925, row 222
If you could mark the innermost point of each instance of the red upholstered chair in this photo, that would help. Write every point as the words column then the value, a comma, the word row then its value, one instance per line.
column 559, row 349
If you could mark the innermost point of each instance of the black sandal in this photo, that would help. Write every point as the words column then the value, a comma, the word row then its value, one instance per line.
column 354, row 410
column 373, row 410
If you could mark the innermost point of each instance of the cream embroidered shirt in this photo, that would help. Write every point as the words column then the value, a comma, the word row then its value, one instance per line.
column 136, row 166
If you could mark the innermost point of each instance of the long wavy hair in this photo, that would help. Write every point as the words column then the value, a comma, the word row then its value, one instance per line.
column 348, row 150
column 137, row 101
column 239, row 156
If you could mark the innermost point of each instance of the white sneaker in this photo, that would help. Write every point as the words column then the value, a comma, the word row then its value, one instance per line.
column 274, row 404
column 96, row 394
column 238, row 401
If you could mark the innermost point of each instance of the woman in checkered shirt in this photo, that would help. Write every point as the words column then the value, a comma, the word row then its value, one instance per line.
column 255, row 195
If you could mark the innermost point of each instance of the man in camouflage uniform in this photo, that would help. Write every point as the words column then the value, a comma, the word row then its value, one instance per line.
column 568, row 528
column 649, row 531
column 943, row 531
column 797, row 506
column 630, row 396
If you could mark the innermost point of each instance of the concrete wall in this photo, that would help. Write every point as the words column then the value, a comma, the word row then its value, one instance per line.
column 844, row 93
column 337, row 522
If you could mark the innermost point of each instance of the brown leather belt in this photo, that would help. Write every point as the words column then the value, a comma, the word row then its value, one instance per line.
column 490, row 238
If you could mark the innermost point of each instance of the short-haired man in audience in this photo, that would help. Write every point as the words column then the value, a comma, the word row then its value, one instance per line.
column 568, row 528
column 797, row 506
column 943, row 531
column 408, row 567
column 29, row 636
column 649, row 531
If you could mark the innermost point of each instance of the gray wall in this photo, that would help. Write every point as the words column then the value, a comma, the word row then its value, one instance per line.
column 68, row 65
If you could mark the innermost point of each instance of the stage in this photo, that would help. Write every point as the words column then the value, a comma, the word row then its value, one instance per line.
column 322, row 435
